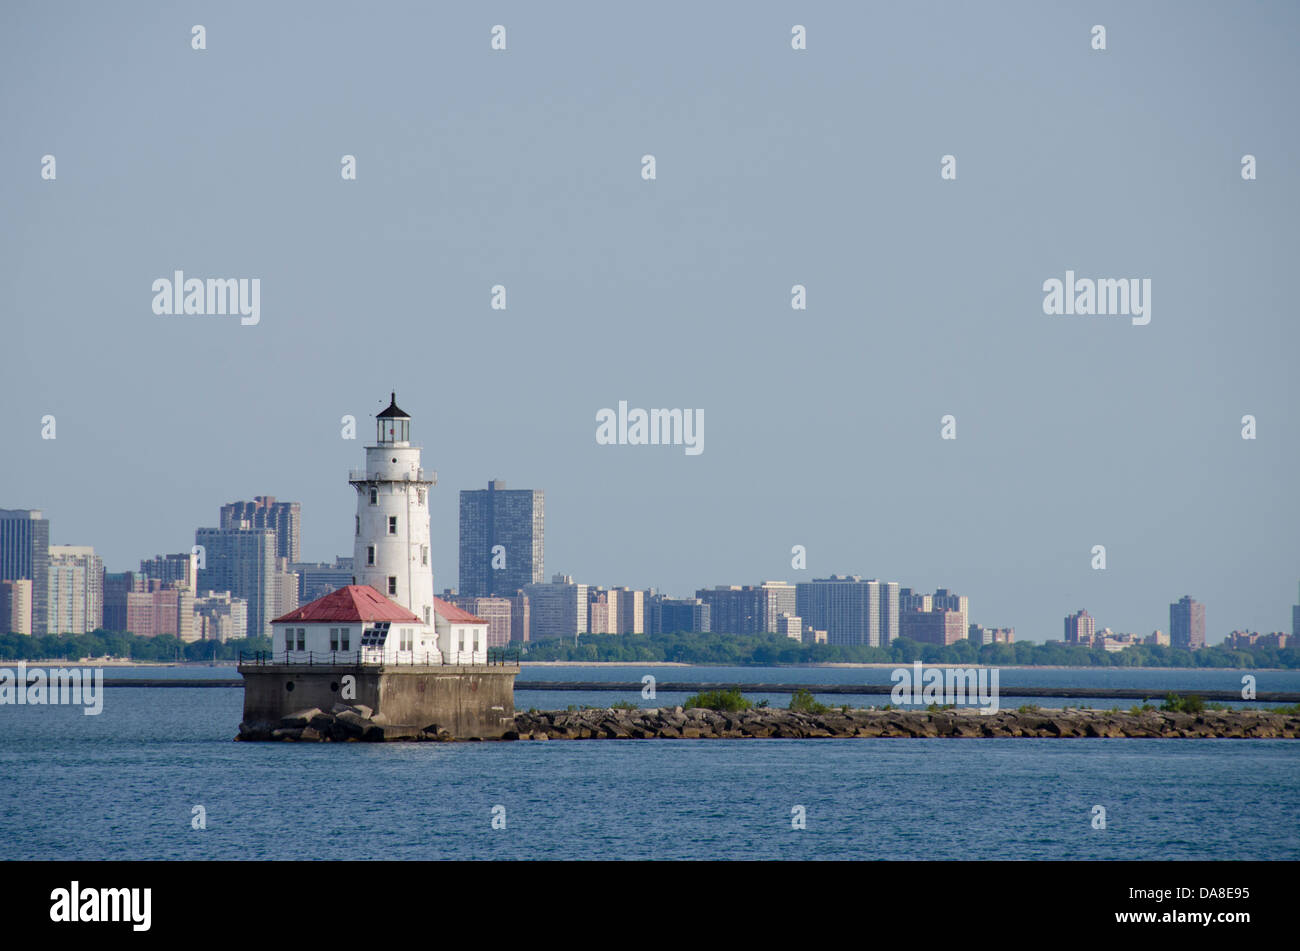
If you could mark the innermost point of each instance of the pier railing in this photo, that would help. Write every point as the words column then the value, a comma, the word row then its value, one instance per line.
column 495, row 657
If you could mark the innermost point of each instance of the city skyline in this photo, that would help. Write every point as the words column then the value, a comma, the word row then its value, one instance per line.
column 884, row 615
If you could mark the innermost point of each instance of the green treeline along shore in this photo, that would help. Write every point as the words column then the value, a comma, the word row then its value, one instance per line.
column 722, row 650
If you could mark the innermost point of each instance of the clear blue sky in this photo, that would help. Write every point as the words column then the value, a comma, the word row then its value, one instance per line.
column 775, row 167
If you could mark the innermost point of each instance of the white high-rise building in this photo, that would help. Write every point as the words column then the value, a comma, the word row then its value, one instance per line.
column 76, row 590
column 391, row 553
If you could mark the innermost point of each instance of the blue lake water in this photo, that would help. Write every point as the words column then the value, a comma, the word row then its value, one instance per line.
column 124, row 785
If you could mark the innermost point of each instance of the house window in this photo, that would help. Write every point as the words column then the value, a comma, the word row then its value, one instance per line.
column 392, row 584
column 392, row 524
column 345, row 635
column 406, row 639
column 334, row 638
column 302, row 638
column 374, row 496
column 288, row 638
column 370, row 554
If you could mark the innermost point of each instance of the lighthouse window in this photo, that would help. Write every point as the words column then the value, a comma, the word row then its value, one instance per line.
column 370, row 554
column 374, row 496
column 419, row 496
column 358, row 518
column 424, row 554
column 426, row 615
column 392, row 584
column 392, row 524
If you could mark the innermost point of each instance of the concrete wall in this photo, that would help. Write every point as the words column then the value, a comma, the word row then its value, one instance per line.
column 465, row 701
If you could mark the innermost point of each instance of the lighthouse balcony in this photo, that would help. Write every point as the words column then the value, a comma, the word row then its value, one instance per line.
column 422, row 476
column 380, row 657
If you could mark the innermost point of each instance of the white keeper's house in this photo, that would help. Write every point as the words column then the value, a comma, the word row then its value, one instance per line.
column 388, row 615
column 357, row 624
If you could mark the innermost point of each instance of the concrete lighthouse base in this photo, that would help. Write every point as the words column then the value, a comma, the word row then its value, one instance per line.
column 454, row 702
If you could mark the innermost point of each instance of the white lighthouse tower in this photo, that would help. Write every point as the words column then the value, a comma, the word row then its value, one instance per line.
column 392, row 530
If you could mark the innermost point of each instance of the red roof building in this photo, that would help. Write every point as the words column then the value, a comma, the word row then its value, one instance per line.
column 355, row 603
column 452, row 613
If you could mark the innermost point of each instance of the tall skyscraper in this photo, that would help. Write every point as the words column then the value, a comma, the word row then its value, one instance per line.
column 76, row 590
column 117, row 586
column 521, row 617
column 909, row 600
column 890, row 612
column 16, row 606
column 939, row 618
column 844, row 606
column 557, row 609
column 283, row 518
column 665, row 615
column 502, row 540
column 630, row 615
column 1080, row 628
column 1187, row 623
column 750, row 609
column 286, row 585
column 850, row 610
column 731, row 608
column 25, row 553
column 602, row 611
column 242, row 561
column 945, row 600
column 182, row 568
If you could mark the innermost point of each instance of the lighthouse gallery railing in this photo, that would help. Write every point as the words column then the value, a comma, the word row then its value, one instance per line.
column 496, row 657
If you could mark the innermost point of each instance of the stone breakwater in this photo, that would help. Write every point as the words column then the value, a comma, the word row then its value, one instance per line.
column 695, row 723
column 353, row 722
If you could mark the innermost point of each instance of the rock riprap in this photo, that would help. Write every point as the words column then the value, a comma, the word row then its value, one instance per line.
column 695, row 723
column 353, row 722
column 344, row 722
